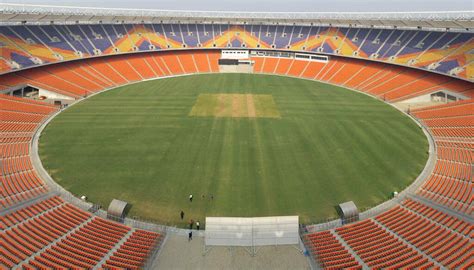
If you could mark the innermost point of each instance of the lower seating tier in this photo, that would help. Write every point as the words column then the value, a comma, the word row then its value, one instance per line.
column 410, row 235
column 56, row 234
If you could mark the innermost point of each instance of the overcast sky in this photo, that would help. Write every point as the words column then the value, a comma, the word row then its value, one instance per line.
column 270, row 5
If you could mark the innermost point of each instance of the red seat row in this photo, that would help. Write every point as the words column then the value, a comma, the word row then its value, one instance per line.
column 83, row 240
column 329, row 252
column 445, row 246
column 134, row 251
column 380, row 249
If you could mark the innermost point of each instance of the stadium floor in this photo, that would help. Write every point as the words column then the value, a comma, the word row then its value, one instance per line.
column 260, row 145
column 192, row 256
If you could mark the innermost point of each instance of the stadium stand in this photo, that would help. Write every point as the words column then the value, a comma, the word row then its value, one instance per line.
column 431, row 229
column 81, row 78
column 329, row 251
column 32, row 45
column 130, row 255
column 384, row 241
column 53, row 233
column 380, row 249
column 19, row 120
column 451, row 183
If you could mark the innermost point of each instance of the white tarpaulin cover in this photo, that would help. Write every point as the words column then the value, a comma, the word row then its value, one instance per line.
column 259, row 231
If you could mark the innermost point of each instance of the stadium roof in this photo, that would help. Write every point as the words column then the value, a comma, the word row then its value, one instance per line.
column 44, row 14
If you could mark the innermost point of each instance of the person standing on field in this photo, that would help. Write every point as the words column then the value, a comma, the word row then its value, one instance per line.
column 190, row 236
column 197, row 225
column 181, row 214
column 190, row 197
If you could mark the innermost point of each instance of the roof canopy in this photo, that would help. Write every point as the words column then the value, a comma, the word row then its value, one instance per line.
column 348, row 212
column 43, row 14
column 116, row 209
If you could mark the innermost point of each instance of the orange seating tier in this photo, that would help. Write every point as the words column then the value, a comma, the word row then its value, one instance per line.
column 410, row 235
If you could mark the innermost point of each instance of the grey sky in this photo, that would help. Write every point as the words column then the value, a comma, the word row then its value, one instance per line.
column 270, row 5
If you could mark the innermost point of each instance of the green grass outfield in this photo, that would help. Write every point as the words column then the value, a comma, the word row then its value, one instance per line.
column 138, row 143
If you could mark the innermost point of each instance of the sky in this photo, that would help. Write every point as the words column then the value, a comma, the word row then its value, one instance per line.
column 269, row 5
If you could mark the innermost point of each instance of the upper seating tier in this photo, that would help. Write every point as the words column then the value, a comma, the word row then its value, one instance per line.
column 31, row 45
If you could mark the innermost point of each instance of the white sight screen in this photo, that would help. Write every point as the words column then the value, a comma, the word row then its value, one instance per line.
column 259, row 231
